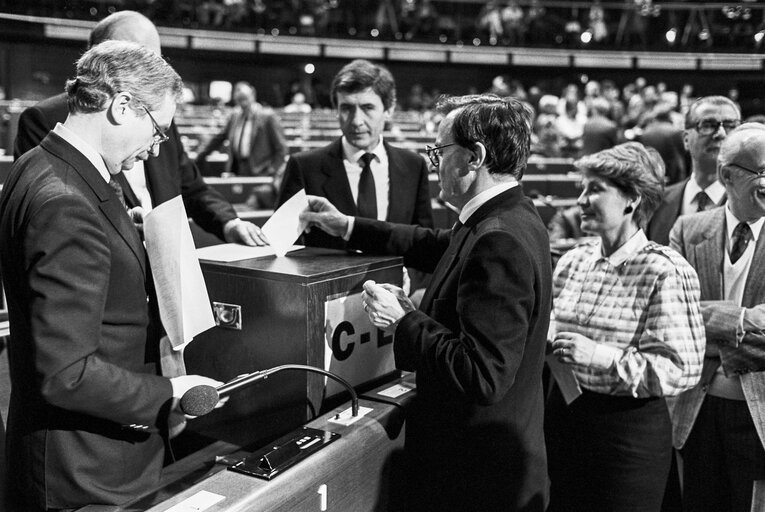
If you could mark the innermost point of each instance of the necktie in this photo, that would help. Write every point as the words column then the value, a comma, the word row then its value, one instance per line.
column 243, row 146
column 367, row 199
column 118, row 191
column 702, row 201
column 457, row 226
column 741, row 236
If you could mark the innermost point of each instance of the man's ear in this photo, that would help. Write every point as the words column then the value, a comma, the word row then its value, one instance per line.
column 120, row 107
column 477, row 156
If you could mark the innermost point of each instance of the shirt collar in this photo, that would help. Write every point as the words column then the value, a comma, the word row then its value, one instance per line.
column 625, row 252
column 479, row 200
column 354, row 154
column 83, row 147
column 731, row 222
column 715, row 191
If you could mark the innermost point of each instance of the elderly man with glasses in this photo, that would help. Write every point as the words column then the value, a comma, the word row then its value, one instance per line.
column 720, row 424
column 707, row 123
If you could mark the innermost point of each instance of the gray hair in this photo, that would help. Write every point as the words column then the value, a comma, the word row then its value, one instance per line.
column 112, row 67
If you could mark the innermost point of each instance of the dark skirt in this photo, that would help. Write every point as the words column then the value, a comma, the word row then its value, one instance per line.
column 607, row 453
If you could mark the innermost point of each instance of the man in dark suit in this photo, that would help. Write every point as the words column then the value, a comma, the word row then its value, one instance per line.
column 720, row 423
column 170, row 174
column 707, row 123
column 360, row 173
column 89, row 409
column 474, row 437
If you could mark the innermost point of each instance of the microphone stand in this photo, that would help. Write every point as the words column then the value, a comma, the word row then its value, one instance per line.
column 245, row 380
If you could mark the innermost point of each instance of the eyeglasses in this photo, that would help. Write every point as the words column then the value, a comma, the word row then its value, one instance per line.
column 710, row 126
column 435, row 158
column 159, row 135
column 759, row 174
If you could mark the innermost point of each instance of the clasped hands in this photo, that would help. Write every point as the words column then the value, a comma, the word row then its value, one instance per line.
column 385, row 304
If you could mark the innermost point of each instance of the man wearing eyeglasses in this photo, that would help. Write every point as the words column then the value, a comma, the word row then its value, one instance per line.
column 474, row 439
column 720, row 424
column 360, row 173
column 707, row 123
column 162, row 178
column 89, row 410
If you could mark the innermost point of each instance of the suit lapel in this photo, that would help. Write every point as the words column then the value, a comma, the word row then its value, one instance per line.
column 709, row 254
column 109, row 205
column 335, row 186
column 397, row 177
column 444, row 268
column 754, row 291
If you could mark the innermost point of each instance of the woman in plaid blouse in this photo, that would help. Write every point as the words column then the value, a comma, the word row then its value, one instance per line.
column 628, row 332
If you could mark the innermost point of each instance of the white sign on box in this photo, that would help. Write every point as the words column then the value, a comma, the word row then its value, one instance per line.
column 354, row 349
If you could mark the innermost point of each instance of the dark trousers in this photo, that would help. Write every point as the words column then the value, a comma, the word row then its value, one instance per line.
column 607, row 453
column 722, row 458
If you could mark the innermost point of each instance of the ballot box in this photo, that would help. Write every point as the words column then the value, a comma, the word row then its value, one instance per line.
column 304, row 308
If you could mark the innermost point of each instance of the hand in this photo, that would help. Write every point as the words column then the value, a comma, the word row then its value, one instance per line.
column 322, row 214
column 238, row 231
column 183, row 383
column 386, row 306
column 573, row 348
column 136, row 215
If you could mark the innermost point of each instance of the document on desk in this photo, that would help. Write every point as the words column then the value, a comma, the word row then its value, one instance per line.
column 184, row 305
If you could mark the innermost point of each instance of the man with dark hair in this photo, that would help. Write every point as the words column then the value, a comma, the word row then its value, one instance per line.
column 361, row 173
column 170, row 174
column 89, row 409
column 474, row 438
column 708, row 121
column 257, row 146
column 719, row 425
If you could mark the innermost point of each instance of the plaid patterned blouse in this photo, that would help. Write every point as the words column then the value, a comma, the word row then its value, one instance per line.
column 641, row 305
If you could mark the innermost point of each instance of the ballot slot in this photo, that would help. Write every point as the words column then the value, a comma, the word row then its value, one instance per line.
column 287, row 451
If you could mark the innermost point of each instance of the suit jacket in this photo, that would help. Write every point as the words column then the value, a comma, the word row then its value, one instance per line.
column 322, row 173
column 660, row 224
column 268, row 146
column 88, row 407
column 167, row 175
column 474, row 431
column 700, row 238
column 662, row 220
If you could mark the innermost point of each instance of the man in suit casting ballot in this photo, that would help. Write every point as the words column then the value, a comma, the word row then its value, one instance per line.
column 719, row 425
column 474, row 436
column 88, row 415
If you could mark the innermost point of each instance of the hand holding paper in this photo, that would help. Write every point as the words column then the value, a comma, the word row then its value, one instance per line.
column 285, row 226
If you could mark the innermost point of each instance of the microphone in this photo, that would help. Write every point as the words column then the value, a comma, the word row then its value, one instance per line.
column 201, row 400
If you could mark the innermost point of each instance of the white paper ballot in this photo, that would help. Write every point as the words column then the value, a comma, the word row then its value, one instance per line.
column 184, row 305
column 284, row 226
column 237, row 252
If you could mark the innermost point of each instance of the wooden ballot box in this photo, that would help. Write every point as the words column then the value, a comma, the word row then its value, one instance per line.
column 304, row 308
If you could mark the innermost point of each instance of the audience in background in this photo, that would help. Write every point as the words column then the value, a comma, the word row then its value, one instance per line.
column 256, row 144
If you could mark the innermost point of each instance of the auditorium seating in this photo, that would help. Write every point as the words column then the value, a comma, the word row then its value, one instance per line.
column 550, row 181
